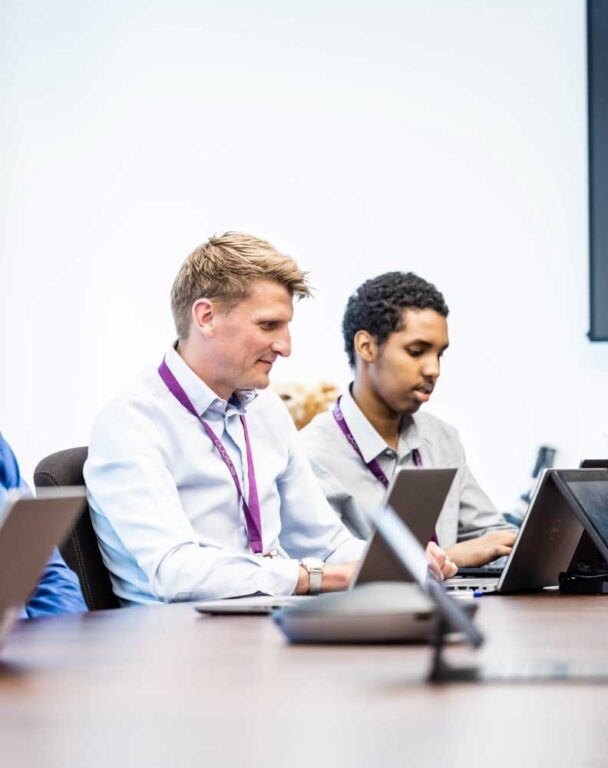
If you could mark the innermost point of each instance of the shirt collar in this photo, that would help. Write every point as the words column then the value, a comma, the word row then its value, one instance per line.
column 371, row 443
column 410, row 438
column 202, row 397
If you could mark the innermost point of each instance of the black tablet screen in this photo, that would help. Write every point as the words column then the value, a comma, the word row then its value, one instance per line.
column 592, row 495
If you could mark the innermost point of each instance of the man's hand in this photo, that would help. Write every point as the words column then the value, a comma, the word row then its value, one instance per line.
column 335, row 578
column 482, row 550
column 439, row 563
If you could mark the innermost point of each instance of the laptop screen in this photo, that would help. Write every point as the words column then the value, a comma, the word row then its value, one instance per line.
column 592, row 497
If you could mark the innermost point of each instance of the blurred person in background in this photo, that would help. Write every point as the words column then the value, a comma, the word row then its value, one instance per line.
column 58, row 590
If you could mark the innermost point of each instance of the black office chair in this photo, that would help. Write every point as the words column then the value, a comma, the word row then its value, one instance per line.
column 80, row 550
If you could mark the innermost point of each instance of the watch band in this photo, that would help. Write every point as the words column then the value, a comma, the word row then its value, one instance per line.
column 316, row 579
column 315, row 568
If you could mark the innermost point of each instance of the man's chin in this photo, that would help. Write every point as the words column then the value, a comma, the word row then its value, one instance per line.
column 410, row 407
column 260, row 381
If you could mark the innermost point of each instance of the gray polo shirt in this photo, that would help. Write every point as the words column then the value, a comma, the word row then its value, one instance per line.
column 351, row 488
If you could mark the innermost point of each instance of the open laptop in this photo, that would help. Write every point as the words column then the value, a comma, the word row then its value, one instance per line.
column 417, row 496
column 30, row 529
column 545, row 544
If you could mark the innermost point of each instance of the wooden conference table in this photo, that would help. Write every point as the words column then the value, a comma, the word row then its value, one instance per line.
column 162, row 686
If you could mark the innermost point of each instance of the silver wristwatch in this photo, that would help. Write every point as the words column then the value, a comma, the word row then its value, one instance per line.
column 315, row 568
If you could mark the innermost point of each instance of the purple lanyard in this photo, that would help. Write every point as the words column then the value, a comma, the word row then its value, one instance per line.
column 251, row 509
column 373, row 466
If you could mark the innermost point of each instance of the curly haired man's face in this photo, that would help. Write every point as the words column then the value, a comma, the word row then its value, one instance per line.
column 407, row 365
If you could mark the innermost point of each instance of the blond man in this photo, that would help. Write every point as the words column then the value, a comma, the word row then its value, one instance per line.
column 198, row 486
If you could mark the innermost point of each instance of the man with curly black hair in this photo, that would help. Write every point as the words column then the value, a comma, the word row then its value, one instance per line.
column 395, row 333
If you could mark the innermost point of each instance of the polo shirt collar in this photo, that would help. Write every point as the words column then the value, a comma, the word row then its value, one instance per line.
column 410, row 438
column 202, row 397
column 370, row 442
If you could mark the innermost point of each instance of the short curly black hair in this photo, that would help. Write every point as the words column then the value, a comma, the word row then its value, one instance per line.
column 376, row 306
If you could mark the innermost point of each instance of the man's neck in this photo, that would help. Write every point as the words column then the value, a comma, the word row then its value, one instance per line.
column 196, row 361
column 385, row 421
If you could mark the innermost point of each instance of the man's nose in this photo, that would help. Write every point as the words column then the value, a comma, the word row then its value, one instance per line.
column 282, row 344
column 431, row 367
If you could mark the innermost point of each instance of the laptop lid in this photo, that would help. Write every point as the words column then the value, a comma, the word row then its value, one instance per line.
column 587, row 555
column 587, row 493
column 417, row 496
column 545, row 543
column 30, row 529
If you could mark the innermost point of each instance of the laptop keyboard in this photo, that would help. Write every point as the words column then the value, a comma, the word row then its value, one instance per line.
column 469, row 585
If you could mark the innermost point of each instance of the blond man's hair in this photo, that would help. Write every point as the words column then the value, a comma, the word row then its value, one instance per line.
column 223, row 269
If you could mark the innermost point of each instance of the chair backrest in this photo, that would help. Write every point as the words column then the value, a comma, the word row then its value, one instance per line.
column 80, row 550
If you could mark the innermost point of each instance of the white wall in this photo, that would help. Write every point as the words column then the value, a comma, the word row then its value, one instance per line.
column 443, row 136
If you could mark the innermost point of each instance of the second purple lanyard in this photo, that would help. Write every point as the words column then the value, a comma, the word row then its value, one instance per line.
column 373, row 465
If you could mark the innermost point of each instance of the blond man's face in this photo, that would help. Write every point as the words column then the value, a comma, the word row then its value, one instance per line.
column 248, row 338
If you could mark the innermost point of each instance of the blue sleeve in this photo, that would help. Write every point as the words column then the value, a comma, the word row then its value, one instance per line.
column 58, row 590
column 10, row 477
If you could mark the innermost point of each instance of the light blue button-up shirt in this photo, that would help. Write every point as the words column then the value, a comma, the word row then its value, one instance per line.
column 165, row 508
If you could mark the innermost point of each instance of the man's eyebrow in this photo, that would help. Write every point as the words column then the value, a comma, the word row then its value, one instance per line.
column 426, row 344
column 271, row 319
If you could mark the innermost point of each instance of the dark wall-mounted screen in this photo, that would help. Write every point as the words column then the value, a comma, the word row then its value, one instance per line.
column 597, row 63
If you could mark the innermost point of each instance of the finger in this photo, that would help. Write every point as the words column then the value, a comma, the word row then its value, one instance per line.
column 501, row 552
column 438, row 554
column 435, row 569
column 432, row 549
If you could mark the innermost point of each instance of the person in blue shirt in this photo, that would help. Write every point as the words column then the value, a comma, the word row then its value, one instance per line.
column 58, row 590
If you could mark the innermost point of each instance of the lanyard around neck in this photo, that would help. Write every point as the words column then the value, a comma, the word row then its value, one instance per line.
column 251, row 509
column 373, row 465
